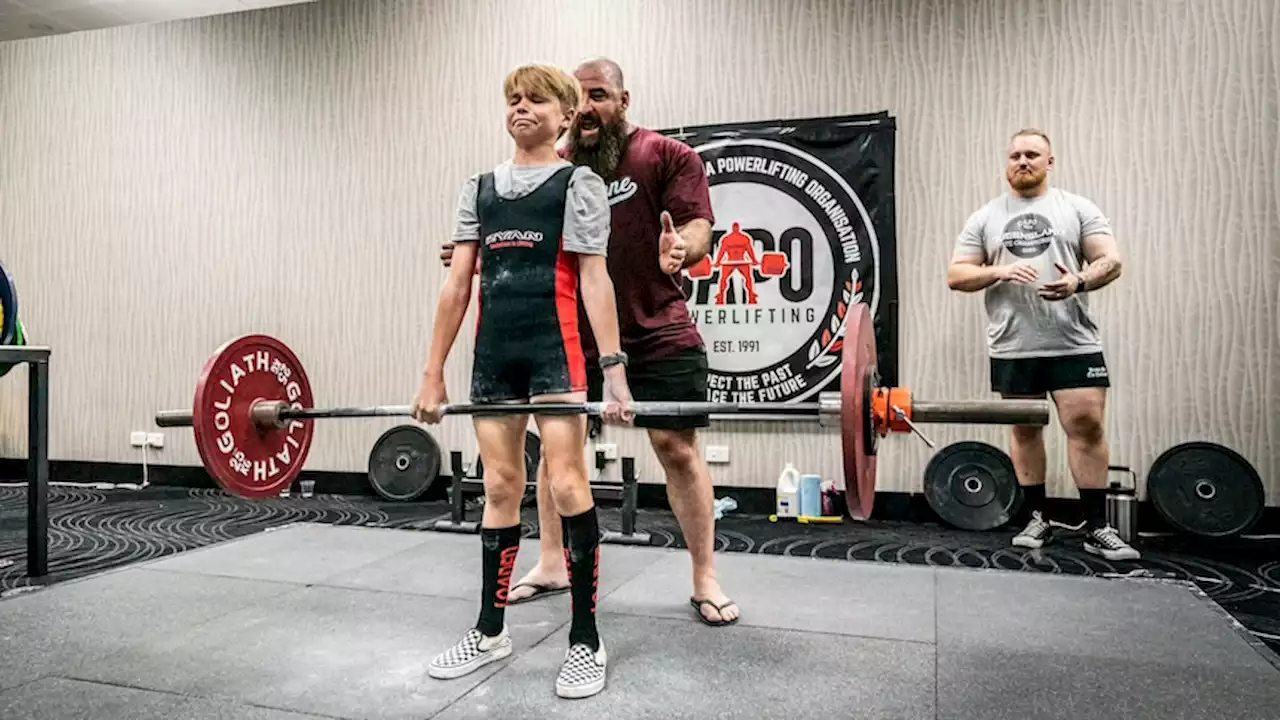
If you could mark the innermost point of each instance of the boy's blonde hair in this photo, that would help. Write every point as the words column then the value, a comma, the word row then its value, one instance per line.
column 545, row 80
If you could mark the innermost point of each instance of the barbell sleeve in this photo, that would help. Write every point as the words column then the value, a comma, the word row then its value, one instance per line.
column 174, row 418
column 981, row 412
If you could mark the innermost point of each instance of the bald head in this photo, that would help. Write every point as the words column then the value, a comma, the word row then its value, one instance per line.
column 603, row 67
column 598, row 136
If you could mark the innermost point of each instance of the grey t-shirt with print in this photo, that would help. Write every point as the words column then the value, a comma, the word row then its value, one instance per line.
column 1041, row 231
column 586, row 209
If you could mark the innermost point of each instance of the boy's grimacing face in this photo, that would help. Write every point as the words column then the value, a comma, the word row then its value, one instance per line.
column 534, row 119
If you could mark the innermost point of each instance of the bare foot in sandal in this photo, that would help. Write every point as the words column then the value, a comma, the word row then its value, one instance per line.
column 539, row 582
column 714, row 607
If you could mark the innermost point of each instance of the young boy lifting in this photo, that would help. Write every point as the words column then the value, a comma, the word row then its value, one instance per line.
column 539, row 228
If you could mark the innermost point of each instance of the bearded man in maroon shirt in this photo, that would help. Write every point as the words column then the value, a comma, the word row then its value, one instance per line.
column 661, row 224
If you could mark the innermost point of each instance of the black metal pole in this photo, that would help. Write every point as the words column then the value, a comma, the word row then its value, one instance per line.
column 456, row 507
column 629, row 495
column 38, row 469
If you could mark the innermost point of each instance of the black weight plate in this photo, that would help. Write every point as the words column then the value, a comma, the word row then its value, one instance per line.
column 404, row 462
column 532, row 456
column 8, row 308
column 972, row 485
column 1206, row 489
column 1019, row 497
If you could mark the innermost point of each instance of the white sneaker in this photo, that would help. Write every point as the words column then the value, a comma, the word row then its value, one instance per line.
column 583, row 672
column 1106, row 542
column 472, row 652
column 1036, row 534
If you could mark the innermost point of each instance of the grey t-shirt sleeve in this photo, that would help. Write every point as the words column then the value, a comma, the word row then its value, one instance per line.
column 1092, row 221
column 586, row 214
column 972, row 238
column 467, row 226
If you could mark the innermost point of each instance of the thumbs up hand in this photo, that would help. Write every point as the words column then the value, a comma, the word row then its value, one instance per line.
column 671, row 247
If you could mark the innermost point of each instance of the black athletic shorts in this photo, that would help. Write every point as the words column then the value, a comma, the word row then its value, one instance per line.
column 1041, row 375
column 680, row 377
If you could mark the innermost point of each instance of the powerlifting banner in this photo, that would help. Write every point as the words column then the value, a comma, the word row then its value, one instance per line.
column 804, row 228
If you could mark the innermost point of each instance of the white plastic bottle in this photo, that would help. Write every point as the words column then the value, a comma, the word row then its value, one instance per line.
column 788, row 497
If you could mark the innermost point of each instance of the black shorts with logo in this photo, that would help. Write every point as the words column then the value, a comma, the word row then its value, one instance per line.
column 679, row 377
column 1040, row 375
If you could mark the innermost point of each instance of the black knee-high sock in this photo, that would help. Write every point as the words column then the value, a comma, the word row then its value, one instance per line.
column 1094, row 505
column 1032, row 499
column 582, row 556
column 499, row 547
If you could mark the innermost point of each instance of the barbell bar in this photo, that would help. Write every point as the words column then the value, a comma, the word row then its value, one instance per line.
column 273, row 412
column 253, row 413
column 826, row 411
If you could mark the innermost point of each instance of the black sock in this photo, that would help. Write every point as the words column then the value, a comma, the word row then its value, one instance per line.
column 1032, row 499
column 1093, row 503
column 499, row 547
column 582, row 556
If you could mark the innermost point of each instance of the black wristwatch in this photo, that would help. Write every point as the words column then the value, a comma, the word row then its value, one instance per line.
column 608, row 361
column 1079, row 284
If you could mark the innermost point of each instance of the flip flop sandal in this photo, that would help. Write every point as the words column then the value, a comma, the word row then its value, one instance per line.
column 539, row 590
column 697, row 606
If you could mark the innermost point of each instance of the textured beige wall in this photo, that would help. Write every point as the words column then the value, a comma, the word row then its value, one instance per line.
column 292, row 171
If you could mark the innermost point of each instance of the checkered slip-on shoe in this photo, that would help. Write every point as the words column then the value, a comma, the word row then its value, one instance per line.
column 471, row 653
column 583, row 672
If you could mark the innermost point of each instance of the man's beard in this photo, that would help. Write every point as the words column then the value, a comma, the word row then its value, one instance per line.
column 1029, row 180
column 603, row 157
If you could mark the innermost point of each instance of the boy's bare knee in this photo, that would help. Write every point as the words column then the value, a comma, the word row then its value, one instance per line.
column 504, row 486
column 567, row 482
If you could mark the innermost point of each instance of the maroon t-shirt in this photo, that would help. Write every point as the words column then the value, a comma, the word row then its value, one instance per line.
column 656, row 173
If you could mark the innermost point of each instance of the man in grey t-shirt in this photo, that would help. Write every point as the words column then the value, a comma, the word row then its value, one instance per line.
column 1036, row 252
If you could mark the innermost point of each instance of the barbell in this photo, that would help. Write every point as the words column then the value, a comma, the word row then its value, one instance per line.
column 253, row 413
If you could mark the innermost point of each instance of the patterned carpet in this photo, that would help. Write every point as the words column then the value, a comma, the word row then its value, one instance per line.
column 92, row 529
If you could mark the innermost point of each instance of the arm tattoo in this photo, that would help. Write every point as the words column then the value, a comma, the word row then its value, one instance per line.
column 1100, row 272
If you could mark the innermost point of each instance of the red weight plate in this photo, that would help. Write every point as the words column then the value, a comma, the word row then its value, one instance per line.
column 859, row 366
column 773, row 264
column 244, row 459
